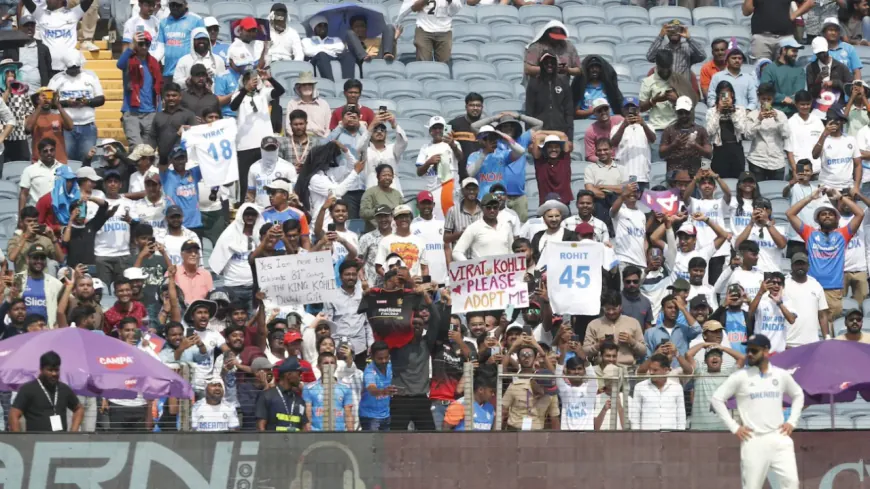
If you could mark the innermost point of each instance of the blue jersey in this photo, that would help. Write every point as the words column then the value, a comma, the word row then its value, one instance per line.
column 183, row 191
column 492, row 169
column 484, row 415
column 227, row 84
column 313, row 394
column 175, row 36
column 272, row 216
column 735, row 328
column 827, row 254
column 221, row 49
column 34, row 297
column 377, row 407
column 515, row 172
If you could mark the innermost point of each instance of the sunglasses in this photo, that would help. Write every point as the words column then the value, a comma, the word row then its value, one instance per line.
column 631, row 281
column 753, row 351
column 491, row 206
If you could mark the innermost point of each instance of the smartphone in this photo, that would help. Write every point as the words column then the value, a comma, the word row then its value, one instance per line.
column 575, row 337
column 632, row 179
column 382, row 109
column 656, row 253
column 41, row 228
column 140, row 28
column 188, row 332
column 92, row 270
column 427, row 279
column 608, row 337
column 330, row 227
column 734, row 289
column 448, row 129
column 494, row 350
column 527, row 329
column 490, row 334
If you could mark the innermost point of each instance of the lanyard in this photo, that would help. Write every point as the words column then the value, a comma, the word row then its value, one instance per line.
column 300, row 159
column 50, row 401
column 284, row 402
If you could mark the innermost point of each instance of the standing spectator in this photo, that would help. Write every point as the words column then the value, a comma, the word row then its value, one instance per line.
column 855, row 268
column 342, row 310
column 29, row 234
column 552, row 213
column 772, row 21
column 295, row 146
column 684, row 142
column 657, row 95
column 355, row 141
column 743, row 85
column 553, row 38
column 719, row 48
column 180, row 186
column 112, row 245
column 433, row 32
column 374, row 404
column 368, row 245
column 83, row 233
column 431, row 230
column 252, row 101
column 807, row 297
column 805, row 128
column 685, row 54
column 785, row 76
column 634, row 304
column 768, row 130
column 597, row 80
column 773, row 314
column 437, row 162
column 307, row 100
column 841, row 51
column 352, row 93
column 38, row 179
column 769, row 237
column 380, row 194
column 484, row 412
column 602, row 128
column 585, row 214
column 726, row 124
column 43, row 123
column 527, row 404
column 282, row 408
column 487, row 236
column 658, row 403
column 548, row 97
column 246, row 45
column 796, row 189
column 176, row 33
column 267, row 170
column 616, row 328
column 281, row 211
column 284, row 44
column 197, row 96
column 382, row 153
column 463, row 132
column 143, row 82
column 322, row 49
column 605, row 180
column 193, row 280
column 826, row 246
column 212, row 413
column 39, row 290
column 632, row 138
column 143, row 22
column 839, row 153
column 200, row 54
column 58, row 28
column 826, row 75
column 34, row 56
column 43, row 402
column 167, row 125
column 854, row 325
column 226, row 85
column 402, row 242
column 461, row 215
column 231, row 251
column 124, row 309
column 488, row 163
column 342, row 400
column 552, row 153
column 174, row 235
column 629, row 224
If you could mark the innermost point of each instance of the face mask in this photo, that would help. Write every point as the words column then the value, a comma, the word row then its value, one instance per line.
column 307, row 92
column 269, row 157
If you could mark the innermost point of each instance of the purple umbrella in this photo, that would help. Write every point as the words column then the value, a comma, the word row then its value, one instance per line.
column 827, row 370
column 91, row 364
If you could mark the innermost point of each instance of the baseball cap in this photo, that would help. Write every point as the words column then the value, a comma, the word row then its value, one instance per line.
column 758, row 340
column 599, row 102
column 683, row 103
column 548, row 384
column 790, row 42
column 260, row 363
column 712, row 325
column 134, row 273
column 200, row 35
column 278, row 7
column 584, row 228
column 747, row 175
column 630, row 101
column 282, row 185
column 687, row 228
column 248, row 23
column 402, row 209
column 112, row 174
column 820, row 45
column 142, row 151
column 152, row 176
column 425, row 196
column 800, row 258
column 488, row 199
column 98, row 284
column 680, row 284
column 830, row 21
column 199, row 69
column 190, row 244
column 435, row 120
column 552, row 138
column 291, row 336
column 825, row 208
column 736, row 50
column 211, row 22
column 469, row 181
column 240, row 57
column 761, row 203
column 89, row 173
column 290, row 364
column 853, row 311
column 269, row 141
column 485, row 130
column 394, row 259
column 383, row 210
column 350, row 109
column 106, row 142
column 698, row 301
column 174, row 210
column 178, row 151
column 26, row 19
column 835, row 114
column 37, row 249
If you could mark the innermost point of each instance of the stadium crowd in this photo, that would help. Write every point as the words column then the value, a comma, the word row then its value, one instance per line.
column 135, row 244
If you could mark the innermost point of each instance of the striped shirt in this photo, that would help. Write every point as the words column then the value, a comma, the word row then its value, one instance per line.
column 458, row 218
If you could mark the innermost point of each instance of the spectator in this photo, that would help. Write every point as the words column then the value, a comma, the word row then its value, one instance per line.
column 280, row 211
column 541, row 403
column 142, row 22
column 634, row 304
column 433, row 32
column 771, row 310
column 284, row 44
column 174, row 235
column 604, row 179
column 355, row 141
column 548, row 97
column 282, row 409
column 552, row 38
column 29, row 234
column 841, row 51
column 213, row 413
column 483, row 415
column 342, row 400
column 37, row 180
column 43, row 123
column 34, row 56
column 685, row 54
column 796, row 189
column 632, row 138
column 167, row 125
column 151, row 209
column 15, row 96
column 143, row 157
column 785, row 76
column 855, row 268
column 124, row 310
column 719, row 49
column 200, row 54
column 596, row 80
column 176, row 34
column 363, row 45
column 226, row 85
column 553, row 213
column 352, row 92
column 268, row 169
column 807, row 297
column 854, row 18
column 180, row 186
column 658, row 403
column 506, row 213
column 381, row 153
column 614, row 327
column 742, row 271
column 856, row 109
column 551, row 151
column 315, row 110
column 773, row 20
column 438, row 162
column 726, row 125
column 462, row 215
column 83, row 232
column 684, row 142
column 193, row 280
column 485, row 237
column 316, row 180
column 231, row 251
column 463, row 132
column 488, row 163
column 839, row 154
column 112, row 244
column 246, row 46
column 321, row 50
column 251, row 389
column 805, row 128
column 39, row 290
column 143, row 81
column 380, row 194
column 40, row 412
column 252, row 101
column 854, row 325
column 368, row 245
column 743, row 85
column 826, row 75
column 431, row 230
column 687, row 246
column 602, row 128
column 826, row 246
column 657, row 95
column 771, row 243
column 629, row 225
column 585, row 214
column 409, row 247
column 58, row 27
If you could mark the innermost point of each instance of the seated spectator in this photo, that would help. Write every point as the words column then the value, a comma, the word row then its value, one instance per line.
column 114, row 159
column 246, row 46
column 433, row 34
column 600, row 129
column 854, row 325
column 597, row 80
column 548, row 97
column 551, row 151
column 79, row 91
column 586, row 214
column 604, row 179
column 505, row 213
column 744, row 85
column 768, row 130
column 39, row 290
column 43, row 123
column 438, row 162
column 218, row 48
column 631, row 138
column 488, row 163
column 167, row 124
column 39, row 73
column 151, row 209
column 144, row 158
column 143, row 83
column 316, row 183
column 684, row 54
column 726, row 127
column 174, row 235
column 17, row 99
column 719, row 48
column 658, row 95
column 321, row 49
column 839, row 50
column 316, row 110
column 487, row 236
column 826, row 75
column 786, row 77
column 380, row 194
column 363, row 45
column 200, row 54
column 59, row 28
column 29, row 234
column 553, row 213
column 856, row 110
column 54, row 206
column 37, row 179
column 855, row 22
column 382, row 153
column 684, row 142
column 552, row 38
column 284, row 44
column 352, row 92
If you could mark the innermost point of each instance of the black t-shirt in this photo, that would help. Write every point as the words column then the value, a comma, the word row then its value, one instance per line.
column 33, row 402
column 462, row 124
column 390, row 314
column 82, row 239
column 772, row 16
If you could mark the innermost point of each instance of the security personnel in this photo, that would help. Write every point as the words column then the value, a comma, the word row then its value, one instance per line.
column 282, row 408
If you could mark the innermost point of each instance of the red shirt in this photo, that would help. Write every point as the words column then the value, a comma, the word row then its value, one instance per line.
column 366, row 114
column 114, row 315
column 554, row 178
column 46, row 212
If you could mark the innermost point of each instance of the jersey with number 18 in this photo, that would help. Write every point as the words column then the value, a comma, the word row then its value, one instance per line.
column 213, row 146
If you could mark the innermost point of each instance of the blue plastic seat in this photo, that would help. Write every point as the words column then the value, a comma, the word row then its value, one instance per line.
column 412, row 127
column 493, row 15
column 465, row 16
column 412, row 151
column 641, row 70
column 451, row 108
column 325, row 88
column 474, row 70
column 419, row 109
column 308, row 10
column 476, row 33
column 200, row 8
column 493, row 89
column 427, row 70
column 623, row 15
column 445, row 89
column 623, row 72
column 863, row 53
column 466, row 51
column 496, row 53
column 661, row 15
column 603, row 50
column 700, row 34
column 506, row 105
column 371, row 88
column 401, row 89
column 640, row 34
column 707, row 16
column 741, row 33
column 536, row 15
column 519, row 91
column 578, row 15
column 406, row 52
column 518, row 34
column 511, row 71
column 334, row 102
column 601, row 34
column 378, row 69
column 379, row 102
column 629, row 88
column 631, row 53
column 290, row 68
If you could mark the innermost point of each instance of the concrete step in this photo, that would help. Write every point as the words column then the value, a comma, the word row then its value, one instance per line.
column 103, row 45
column 103, row 64
column 113, row 94
column 104, row 122
column 107, row 74
column 112, row 84
column 117, row 134
column 97, row 55
column 110, row 107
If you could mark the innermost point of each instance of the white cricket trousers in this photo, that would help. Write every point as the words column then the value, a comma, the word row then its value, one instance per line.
column 772, row 452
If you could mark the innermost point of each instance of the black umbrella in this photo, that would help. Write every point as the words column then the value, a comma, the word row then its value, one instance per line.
column 13, row 39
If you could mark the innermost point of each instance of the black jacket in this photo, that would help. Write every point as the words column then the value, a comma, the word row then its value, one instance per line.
column 549, row 99
column 608, row 82
column 43, row 54
column 840, row 76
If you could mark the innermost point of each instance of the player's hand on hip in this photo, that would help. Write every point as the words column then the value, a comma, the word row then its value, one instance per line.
column 744, row 433
column 786, row 429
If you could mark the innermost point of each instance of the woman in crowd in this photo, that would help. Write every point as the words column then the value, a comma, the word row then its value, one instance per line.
column 726, row 124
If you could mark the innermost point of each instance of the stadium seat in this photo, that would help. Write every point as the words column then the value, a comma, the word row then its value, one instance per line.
column 307, row 10
column 497, row 106
column 290, row 69
column 8, row 207
column 296, row 26
column 12, row 170
column 401, row 89
column 850, row 303
column 741, row 33
column 474, row 70
column 476, row 33
column 493, row 15
column 263, row 9
column 427, row 70
column 519, row 91
column 357, row 225
column 817, row 422
column 325, row 87
column 378, row 102
column 378, row 69
column 333, row 102
column 605, row 51
column 492, row 89
column 467, row 51
column 707, row 16
column 771, row 188
column 858, row 407
column 419, row 109
column 659, row 16
column 641, row 70
column 200, row 8
column 495, row 52
column 700, row 34
column 445, row 89
column 623, row 15
column 623, row 72
column 839, row 326
column 863, row 53
column 640, row 34
column 464, row 16
column 580, row 125
column 578, row 15
column 601, row 34
column 511, row 71
column 451, row 108
column 8, row 189
column 412, row 127
column 413, row 149
column 406, row 52
column 631, row 53
column 537, row 15
column 864, row 307
column 629, row 88
column 518, row 34
column 227, row 11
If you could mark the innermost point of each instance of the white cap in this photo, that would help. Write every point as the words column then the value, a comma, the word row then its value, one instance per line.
column 485, row 129
column 688, row 228
column 89, row 173
column 394, row 261
column 73, row 58
column 469, row 181
column 434, row 120
column 134, row 273
column 402, row 209
column 830, row 21
column 683, row 103
column 211, row 22
column 552, row 138
column 316, row 20
column 240, row 56
column 280, row 185
column 106, row 142
column 820, row 45
column 599, row 102
column 98, row 284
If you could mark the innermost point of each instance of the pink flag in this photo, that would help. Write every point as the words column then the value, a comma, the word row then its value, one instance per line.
column 665, row 202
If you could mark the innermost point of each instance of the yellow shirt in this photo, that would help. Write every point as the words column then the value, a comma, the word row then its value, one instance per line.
column 521, row 402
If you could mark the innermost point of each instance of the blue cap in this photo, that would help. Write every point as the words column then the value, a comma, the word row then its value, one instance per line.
column 630, row 101
column 789, row 42
column 758, row 340
column 112, row 174
column 65, row 172
column 178, row 151
column 290, row 364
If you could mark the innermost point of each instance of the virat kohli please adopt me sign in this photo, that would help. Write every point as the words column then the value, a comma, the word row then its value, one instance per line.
column 489, row 283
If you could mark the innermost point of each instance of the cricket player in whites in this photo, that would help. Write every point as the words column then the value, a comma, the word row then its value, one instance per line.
column 766, row 439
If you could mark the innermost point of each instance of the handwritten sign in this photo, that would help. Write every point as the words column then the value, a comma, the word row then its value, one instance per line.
column 489, row 283
column 666, row 202
column 297, row 279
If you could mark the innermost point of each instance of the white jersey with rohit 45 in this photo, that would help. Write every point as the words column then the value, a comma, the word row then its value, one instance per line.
column 759, row 399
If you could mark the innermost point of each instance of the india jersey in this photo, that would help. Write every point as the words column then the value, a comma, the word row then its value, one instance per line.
column 432, row 234
column 58, row 31
column 827, row 254
column 208, row 417
column 113, row 239
column 258, row 179
column 759, row 399
column 314, row 395
column 213, row 147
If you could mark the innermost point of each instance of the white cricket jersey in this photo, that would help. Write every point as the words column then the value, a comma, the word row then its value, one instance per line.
column 213, row 147
column 759, row 399
column 740, row 215
column 629, row 242
column 432, row 234
column 856, row 252
column 58, row 30
column 838, row 162
column 578, row 402
column 770, row 321
column 713, row 209
column 808, row 299
column 681, row 262
column 85, row 85
column 258, row 178
column 769, row 254
column 113, row 239
column 203, row 368
column 173, row 243
column 207, row 417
